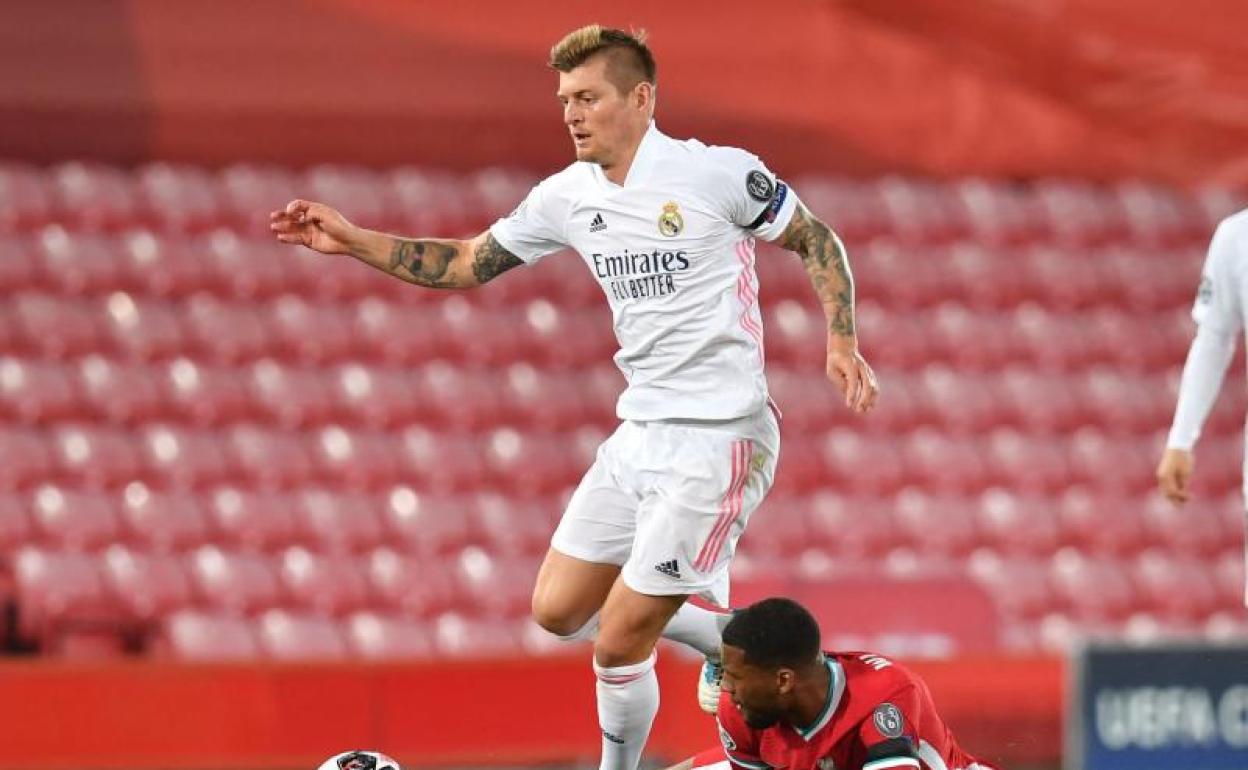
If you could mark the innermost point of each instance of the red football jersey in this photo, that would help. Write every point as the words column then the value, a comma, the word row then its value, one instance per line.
column 878, row 715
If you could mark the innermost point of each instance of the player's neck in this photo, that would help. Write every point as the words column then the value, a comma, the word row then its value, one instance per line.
column 617, row 172
column 810, row 698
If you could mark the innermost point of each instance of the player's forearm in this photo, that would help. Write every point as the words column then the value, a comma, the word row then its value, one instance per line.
column 827, row 264
column 437, row 264
column 1206, row 365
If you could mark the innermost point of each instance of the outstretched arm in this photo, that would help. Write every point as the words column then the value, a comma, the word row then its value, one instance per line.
column 826, row 263
column 435, row 263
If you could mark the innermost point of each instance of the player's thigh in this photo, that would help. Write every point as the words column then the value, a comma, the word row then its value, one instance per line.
column 569, row 591
column 688, row 527
column 631, row 624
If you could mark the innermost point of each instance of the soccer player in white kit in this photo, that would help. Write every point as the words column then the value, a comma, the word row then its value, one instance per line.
column 668, row 229
column 1219, row 315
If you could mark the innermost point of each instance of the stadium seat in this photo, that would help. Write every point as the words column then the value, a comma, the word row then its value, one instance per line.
column 121, row 393
column 338, row 522
column 208, row 395
column 312, row 333
column 494, row 586
column 376, row 397
column 66, row 270
column 193, row 635
column 252, row 519
column 142, row 328
column 1019, row 585
column 412, row 584
column 459, row 636
column 1091, row 588
column 37, row 392
column 234, row 581
column 93, row 196
column 935, row 524
column 72, row 520
column 1031, row 464
column 861, row 463
column 185, row 458
column 327, row 584
column 269, row 457
column 226, row 332
column 939, row 462
column 427, row 523
column 508, row 525
column 95, row 456
column 25, row 457
column 395, row 333
column 16, row 528
column 25, row 198
column 249, row 192
column 59, row 591
column 542, row 399
column 357, row 459
column 442, row 462
column 374, row 636
column 1228, row 573
column 848, row 526
column 55, row 327
column 179, row 199
column 1107, row 524
column 530, row 463
column 1175, row 587
column 162, row 521
column 1017, row 523
column 292, row 397
column 1193, row 529
column 145, row 585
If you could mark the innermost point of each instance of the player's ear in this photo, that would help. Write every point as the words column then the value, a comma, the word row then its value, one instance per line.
column 785, row 681
column 643, row 95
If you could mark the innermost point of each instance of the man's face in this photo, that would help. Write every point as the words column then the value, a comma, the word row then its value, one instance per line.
column 756, row 692
column 603, row 122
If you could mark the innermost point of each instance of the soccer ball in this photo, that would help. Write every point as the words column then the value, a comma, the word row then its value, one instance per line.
column 360, row 760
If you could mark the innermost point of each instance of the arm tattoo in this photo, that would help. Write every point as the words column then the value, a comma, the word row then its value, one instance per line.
column 828, row 266
column 422, row 262
column 491, row 260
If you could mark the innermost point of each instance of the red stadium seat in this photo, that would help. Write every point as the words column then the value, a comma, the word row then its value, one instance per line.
column 208, row 395
column 1117, row 464
column 166, row 265
column 25, row 457
column 179, row 198
column 312, row 333
column 103, row 269
column 861, row 463
column 74, row 520
column 55, row 327
column 529, row 463
column 288, row 396
column 185, row 458
column 1014, row 523
column 249, row 192
column 508, row 525
column 495, row 586
column 1102, row 524
column 1029, row 464
column 15, row 528
column 269, row 457
column 122, row 394
column 145, row 585
column 227, row 332
column 458, row 636
column 328, row 584
column 1093, row 589
column 940, row 462
column 442, row 462
column 428, row 523
column 414, row 585
column 144, row 329
column 162, row 521
column 374, row 636
column 1019, row 585
column 25, row 198
column 958, row 401
column 94, row 456
column 338, row 521
column 942, row 525
column 359, row 459
column 252, row 519
column 391, row 332
column 21, row 268
column 37, row 392
column 1228, row 573
column 543, row 399
column 59, row 591
column 249, row 270
column 1193, row 529
column 1037, row 402
column 232, row 580
column 850, row 526
column 93, row 197
column 199, row 636
column 376, row 397
column 1175, row 587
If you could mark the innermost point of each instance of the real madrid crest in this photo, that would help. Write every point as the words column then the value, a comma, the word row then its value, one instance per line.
column 670, row 221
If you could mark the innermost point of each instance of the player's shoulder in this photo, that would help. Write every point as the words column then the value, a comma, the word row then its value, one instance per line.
column 873, row 674
column 572, row 177
column 1235, row 226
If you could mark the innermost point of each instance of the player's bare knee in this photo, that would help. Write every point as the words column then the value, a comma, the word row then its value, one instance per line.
column 560, row 621
column 612, row 650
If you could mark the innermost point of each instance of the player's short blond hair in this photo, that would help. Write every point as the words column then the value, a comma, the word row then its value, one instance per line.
column 631, row 61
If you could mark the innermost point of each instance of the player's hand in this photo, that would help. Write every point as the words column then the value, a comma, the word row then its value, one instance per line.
column 851, row 373
column 314, row 225
column 1174, row 473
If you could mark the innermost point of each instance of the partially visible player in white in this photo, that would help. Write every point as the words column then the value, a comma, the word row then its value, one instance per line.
column 668, row 229
column 1219, row 315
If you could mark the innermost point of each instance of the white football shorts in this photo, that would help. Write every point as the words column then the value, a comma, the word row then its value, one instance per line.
column 668, row 500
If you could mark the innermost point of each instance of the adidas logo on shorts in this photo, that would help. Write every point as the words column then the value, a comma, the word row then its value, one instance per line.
column 669, row 568
column 597, row 224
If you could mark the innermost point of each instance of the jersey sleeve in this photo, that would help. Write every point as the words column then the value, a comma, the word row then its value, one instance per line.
column 535, row 228
column 750, row 196
column 739, row 742
column 1217, row 305
column 890, row 734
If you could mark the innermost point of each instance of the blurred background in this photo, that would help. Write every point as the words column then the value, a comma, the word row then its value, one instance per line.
column 259, row 506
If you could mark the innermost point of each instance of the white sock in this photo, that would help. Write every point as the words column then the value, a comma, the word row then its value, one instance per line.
column 701, row 629
column 628, row 699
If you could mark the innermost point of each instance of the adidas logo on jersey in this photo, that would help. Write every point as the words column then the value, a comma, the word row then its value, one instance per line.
column 597, row 224
column 669, row 568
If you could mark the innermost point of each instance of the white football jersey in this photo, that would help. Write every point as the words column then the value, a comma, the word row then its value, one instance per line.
column 673, row 250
